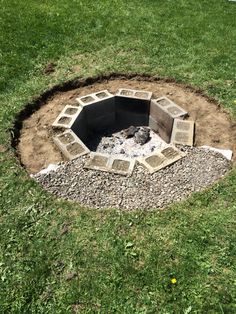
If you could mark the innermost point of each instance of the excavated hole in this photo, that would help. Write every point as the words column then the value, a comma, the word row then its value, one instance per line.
column 36, row 149
column 33, row 139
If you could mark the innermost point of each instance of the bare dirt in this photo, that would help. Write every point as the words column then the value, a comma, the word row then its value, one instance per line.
column 49, row 68
column 36, row 150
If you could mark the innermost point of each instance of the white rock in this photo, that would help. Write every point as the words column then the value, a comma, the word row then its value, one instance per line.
column 227, row 153
column 50, row 167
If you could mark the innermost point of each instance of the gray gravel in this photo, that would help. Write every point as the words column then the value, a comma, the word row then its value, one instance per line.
column 199, row 169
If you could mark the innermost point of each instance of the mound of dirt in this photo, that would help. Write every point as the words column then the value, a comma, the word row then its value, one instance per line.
column 36, row 150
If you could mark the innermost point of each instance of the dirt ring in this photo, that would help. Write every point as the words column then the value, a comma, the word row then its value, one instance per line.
column 35, row 149
column 32, row 130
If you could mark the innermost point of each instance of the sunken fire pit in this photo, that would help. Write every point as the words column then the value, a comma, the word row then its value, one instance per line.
column 123, row 149
column 104, row 113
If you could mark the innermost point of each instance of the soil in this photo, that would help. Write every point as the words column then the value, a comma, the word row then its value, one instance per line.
column 36, row 150
column 3, row 149
column 49, row 68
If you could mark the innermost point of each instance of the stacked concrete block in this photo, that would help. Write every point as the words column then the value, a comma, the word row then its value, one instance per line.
column 110, row 163
column 132, row 107
column 70, row 145
column 99, row 110
column 161, row 158
column 183, row 132
column 163, row 111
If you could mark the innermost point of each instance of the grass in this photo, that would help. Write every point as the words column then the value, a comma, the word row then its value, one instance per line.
column 57, row 257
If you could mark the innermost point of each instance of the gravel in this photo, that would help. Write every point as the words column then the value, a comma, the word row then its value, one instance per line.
column 142, row 190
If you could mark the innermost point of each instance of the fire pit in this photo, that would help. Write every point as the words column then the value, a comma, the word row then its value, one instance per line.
column 118, row 130
column 125, row 147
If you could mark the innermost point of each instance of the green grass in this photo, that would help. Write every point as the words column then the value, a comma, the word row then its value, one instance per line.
column 122, row 262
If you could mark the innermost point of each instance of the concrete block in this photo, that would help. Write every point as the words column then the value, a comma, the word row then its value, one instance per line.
column 162, row 120
column 71, row 110
column 110, row 163
column 66, row 137
column 70, row 145
column 98, row 161
column 121, row 165
column 152, row 124
column 103, row 94
column 162, row 115
column 170, row 152
column 86, row 100
column 67, row 117
column 98, row 105
column 133, row 93
column 161, row 158
column 94, row 97
column 133, row 101
column 183, row 132
column 164, row 133
column 170, row 107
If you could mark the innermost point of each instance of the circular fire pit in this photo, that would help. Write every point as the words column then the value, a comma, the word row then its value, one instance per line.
column 98, row 158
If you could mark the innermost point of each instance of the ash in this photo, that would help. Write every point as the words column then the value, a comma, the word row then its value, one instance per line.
column 131, row 142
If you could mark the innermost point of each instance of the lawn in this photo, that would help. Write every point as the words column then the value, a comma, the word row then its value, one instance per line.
column 57, row 257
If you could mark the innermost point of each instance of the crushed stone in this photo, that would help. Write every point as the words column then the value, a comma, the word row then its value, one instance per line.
column 142, row 190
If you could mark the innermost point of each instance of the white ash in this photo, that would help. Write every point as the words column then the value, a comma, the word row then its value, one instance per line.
column 141, row 190
column 116, row 143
